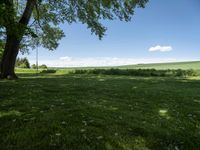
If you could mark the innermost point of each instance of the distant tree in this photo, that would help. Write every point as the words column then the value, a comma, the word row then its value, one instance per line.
column 22, row 63
column 1, row 50
column 1, row 53
column 43, row 66
column 34, row 23
column 33, row 66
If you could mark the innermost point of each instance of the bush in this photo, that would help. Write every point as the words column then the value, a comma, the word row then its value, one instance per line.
column 138, row 72
column 22, row 63
column 22, row 66
column 1, row 53
column 2, row 44
column 34, row 66
column 43, row 66
column 48, row 71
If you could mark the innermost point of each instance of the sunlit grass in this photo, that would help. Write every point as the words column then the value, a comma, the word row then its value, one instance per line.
column 78, row 112
column 9, row 113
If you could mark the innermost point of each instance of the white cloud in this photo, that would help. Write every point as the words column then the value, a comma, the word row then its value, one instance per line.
column 100, row 61
column 65, row 58
column 161, row 48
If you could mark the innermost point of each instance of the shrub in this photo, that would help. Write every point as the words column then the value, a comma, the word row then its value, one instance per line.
column 1, row 53
column 138, row 72
column 43, row 66
column 2, row 44
column 48, row 71
column 22, row 63
column 34, row 66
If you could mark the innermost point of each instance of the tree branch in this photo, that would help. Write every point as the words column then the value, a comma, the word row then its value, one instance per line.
column 38, row 15
column 27, row 12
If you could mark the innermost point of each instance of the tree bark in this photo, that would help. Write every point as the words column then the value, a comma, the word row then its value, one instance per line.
column 13, row 42
column 9, row 57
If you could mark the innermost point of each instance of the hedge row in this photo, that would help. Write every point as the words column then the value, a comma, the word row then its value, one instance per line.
column 138, row 72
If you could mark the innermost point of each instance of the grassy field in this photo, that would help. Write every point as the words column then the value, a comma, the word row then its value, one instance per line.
column 195, row 65
column 97, row 112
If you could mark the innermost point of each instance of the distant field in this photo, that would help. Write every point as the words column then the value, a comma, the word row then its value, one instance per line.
column 159, row 69
column 195, row 65
column 177, row 65
column 158, row 66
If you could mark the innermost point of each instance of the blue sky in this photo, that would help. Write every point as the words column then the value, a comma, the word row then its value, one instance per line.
column 170, row 28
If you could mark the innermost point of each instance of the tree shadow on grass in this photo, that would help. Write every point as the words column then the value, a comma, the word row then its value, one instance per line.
column 100, row 112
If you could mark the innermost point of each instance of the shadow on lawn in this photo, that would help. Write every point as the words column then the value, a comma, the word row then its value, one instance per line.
column 100, row 112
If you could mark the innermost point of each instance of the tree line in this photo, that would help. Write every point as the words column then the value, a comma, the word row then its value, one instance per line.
column 24, row 63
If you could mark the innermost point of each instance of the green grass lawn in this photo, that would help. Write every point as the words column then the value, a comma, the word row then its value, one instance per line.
column 93, row 112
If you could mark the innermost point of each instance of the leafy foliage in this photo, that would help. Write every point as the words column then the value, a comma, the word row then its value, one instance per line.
column 2, row 43
column 22, row 63
column 44, row 30
column 43, row 66
column 48, row 71
column 138, row 72
column 1, row 52
column 33, row 66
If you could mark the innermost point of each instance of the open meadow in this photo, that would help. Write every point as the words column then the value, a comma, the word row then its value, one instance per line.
column 99, row 75
column 97, row 112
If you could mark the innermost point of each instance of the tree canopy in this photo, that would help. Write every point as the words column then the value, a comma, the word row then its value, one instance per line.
column 43, row 28
column 36, row 23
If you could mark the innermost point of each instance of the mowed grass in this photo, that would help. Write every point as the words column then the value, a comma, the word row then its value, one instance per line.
column 97, row 112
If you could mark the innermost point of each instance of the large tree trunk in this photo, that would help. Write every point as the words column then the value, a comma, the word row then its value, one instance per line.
column 9, row 57
column 13, row 41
